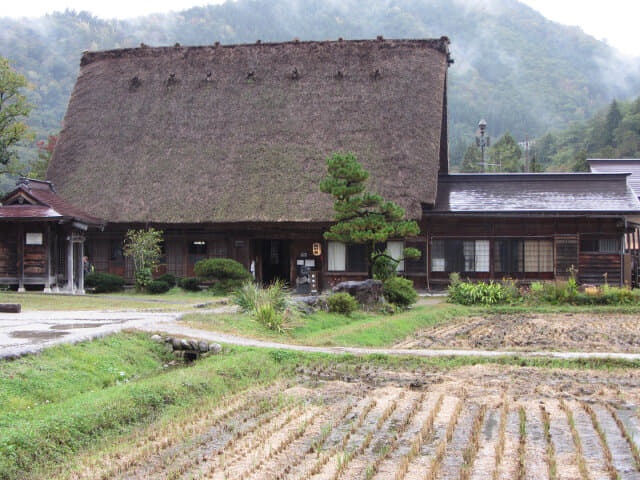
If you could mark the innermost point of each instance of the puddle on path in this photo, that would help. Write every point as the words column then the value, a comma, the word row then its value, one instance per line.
column 63, row 326
column 37, row 334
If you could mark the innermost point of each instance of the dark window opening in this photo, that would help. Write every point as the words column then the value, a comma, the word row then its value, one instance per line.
column 356, row 258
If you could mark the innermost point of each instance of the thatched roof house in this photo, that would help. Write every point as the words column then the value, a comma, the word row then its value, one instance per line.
column 241, row 133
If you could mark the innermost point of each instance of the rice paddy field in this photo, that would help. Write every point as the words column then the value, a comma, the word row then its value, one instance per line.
column 374, row 422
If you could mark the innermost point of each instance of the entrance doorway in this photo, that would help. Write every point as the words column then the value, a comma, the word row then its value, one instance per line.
column 275, row 260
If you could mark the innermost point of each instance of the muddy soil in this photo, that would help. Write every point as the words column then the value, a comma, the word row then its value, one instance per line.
column 473, row 423
column 533, row 332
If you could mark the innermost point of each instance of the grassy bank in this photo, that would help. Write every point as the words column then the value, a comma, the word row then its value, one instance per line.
column 74, row 399
column 366, row 329
column 330, row 329
column 46, row 422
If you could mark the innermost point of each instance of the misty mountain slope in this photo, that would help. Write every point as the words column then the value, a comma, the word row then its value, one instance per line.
column 513, row 67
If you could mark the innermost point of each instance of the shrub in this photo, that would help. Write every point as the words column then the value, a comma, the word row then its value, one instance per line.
column 191, row 284
column 342, row 303
column 227, row 274
column 158, row 286
column 399, row 291
column 104, row 282
column 170, row 278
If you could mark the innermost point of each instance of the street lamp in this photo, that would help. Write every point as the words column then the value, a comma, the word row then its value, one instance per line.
column 483, row 141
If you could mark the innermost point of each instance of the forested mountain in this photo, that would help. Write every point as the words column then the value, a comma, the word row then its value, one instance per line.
column 613, row 132
column 513, row 67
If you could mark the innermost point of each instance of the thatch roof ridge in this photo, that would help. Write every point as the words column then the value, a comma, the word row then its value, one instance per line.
column 241, row 133
column 439, row 44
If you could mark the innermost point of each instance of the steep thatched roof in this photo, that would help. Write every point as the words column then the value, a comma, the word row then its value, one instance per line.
column 241, row 133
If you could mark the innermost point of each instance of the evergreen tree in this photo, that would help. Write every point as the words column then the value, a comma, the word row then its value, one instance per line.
column 472, row 161
column 580, row 162
column 362, row 217
column 506, row 155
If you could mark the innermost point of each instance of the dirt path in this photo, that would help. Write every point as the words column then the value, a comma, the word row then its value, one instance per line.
column 473, row 423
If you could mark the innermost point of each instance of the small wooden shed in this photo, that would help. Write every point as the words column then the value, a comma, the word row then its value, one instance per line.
column 42, row 239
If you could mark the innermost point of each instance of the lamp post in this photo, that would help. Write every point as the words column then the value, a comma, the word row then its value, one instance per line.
column 483, row 141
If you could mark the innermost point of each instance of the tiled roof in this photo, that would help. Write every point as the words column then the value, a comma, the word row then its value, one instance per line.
column 535, row 193
column 49, row 204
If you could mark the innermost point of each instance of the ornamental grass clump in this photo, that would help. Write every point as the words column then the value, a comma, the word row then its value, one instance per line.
column 272, row 306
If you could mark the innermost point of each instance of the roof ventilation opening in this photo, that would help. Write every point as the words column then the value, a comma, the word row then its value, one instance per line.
column 217, row 44
column 251, row 76
column 177, row 45
column 258, row 42
column 209, row 77
column 339, row 75
column 380, row 38
column 134, row 83
column 295, row 75
column 172, row 80
column 376, row 75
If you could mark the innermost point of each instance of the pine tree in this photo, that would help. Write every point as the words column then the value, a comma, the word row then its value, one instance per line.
column 506, row 155
column 362, row 217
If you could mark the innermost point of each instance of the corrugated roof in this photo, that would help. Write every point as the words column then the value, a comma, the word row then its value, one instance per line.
column 242, row 133
column 535, row 193
column 619, row 165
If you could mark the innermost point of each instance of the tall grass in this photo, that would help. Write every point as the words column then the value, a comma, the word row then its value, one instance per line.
column 271, row 306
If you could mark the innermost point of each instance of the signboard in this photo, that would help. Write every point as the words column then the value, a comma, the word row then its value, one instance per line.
column 34, row 239
column 317, row 248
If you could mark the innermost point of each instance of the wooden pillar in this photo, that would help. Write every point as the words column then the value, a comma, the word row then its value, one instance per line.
column 47, row 265
column 70, row 263
column 20, row 255
column 81, row 269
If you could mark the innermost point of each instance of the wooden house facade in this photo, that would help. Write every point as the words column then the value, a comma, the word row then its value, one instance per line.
column 223, row 148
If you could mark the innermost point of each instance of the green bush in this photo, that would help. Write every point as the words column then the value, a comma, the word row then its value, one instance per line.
column 342, row 303
column 158, row 286
column 104, row 282
column 225, row 272
column 170, row 278
column 481, row 293
column 191, row 284
column 399, row 291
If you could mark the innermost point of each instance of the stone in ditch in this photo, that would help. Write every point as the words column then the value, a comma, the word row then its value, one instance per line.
column 156, row 338
column 203, row 346
column 184, row 344
column 215, row 348
column 176, row 343
column 193, row 344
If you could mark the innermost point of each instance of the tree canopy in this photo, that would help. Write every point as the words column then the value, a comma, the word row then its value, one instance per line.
column 14, row 109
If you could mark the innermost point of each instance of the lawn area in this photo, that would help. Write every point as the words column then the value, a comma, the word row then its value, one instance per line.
column 98, row 409
column 172, row 300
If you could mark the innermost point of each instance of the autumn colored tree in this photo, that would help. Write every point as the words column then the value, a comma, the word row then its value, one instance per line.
column 362, row 217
